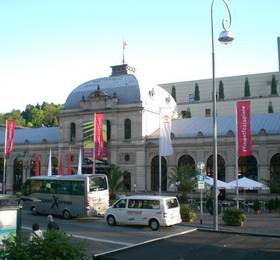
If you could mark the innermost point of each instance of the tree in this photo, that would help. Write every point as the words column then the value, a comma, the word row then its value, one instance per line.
column 116, row 183
column 247, row 88
column 221, row 90
column 184, row 178
column 270, row 107
column 196, row 92
column 273, row 85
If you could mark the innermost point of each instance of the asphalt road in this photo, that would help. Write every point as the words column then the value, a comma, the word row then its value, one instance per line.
column 179, row 242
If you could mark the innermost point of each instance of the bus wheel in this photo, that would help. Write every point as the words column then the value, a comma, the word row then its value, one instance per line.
column 34, row 211
column 66, row 214
column 154, row 225
column 111, row 220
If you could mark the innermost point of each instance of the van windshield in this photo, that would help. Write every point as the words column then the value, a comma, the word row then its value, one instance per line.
column 172, row 203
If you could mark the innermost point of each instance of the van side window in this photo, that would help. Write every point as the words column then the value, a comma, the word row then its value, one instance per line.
column 172, row 203
column 151, row 204
column 120, row 204
column 135, row 204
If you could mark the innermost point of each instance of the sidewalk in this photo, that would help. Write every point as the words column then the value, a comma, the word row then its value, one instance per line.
column 262, row 224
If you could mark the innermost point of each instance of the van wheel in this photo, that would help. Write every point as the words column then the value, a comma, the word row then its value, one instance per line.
column 34, row 211
column 66, row 214
column 153, row 224
column 111, row 220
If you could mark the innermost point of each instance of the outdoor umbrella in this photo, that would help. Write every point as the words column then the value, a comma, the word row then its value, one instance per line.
column 247, row 184
column 220, row 184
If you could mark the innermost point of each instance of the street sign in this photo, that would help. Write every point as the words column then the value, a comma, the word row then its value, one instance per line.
column 201, row 185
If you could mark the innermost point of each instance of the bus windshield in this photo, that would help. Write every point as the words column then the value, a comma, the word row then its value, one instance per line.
column 97, row 183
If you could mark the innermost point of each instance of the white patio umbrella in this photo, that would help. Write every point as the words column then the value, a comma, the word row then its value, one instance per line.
column 220, row 184
column 247, row 184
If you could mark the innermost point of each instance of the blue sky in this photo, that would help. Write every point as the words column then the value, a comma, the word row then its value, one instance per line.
column 50, row 47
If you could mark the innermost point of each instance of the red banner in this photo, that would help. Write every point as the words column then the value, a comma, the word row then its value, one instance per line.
column 60, row 167
column 244, row 128
column 70, row 161
column 99, row 142
column 9, row 140
column 37, row 172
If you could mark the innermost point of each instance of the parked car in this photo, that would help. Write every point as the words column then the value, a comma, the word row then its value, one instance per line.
column 154, row 211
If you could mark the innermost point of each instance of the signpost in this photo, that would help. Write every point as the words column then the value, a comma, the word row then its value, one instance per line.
column 201, row 186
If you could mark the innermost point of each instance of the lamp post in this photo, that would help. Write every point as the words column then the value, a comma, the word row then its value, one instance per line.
column 224, row 37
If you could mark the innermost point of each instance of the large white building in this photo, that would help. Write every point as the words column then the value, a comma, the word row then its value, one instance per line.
column 131, row 113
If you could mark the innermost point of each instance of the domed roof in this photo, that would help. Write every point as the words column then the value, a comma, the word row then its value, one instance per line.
column 120, row 84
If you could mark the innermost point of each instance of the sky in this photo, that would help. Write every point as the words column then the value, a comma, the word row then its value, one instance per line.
column 49, row 47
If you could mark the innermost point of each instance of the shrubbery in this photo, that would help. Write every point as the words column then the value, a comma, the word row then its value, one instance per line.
column 56, row 245
column 187, row 213
column 234, row 217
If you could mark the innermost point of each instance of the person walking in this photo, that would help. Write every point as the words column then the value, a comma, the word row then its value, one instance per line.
column 36, row 232
column 51, row 224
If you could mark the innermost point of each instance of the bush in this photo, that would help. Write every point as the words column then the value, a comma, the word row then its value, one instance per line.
column 256, row 205
column 187, row 213
column 234, row 217
column 55, row 245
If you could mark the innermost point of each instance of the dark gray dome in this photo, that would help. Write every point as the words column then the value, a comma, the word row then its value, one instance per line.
column 125, row 87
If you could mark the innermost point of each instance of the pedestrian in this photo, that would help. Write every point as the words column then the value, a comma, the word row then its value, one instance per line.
column 51, row 224
column 36, row 232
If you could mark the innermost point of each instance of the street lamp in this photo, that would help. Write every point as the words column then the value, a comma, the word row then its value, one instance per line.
column 224, row 37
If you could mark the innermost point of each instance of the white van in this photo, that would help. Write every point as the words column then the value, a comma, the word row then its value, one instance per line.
column 154, row 211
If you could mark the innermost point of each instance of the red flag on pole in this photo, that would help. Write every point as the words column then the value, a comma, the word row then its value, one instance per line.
column 37, row 172
column 9, row 139
column 243, row 114
column 99, row 142
column 69, row 161
column 60, row 164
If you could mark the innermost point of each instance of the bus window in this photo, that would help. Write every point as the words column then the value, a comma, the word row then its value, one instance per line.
column 97, row 183
column 78, row 188
column 35, row 186
column 49, row 186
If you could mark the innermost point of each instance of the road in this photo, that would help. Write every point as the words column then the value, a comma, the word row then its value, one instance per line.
column 101, row 237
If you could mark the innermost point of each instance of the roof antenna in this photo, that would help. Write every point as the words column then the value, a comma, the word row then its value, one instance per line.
column 123, row 47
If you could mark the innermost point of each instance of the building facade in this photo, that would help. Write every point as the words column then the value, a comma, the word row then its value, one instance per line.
column 131, row 112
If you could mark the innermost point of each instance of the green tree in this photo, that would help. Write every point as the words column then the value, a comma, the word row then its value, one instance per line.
column 270, row 107
column 196, row 92
column 273, row 85
column 221, row 90
column 184, row 178
column 247, row 88
column 116, row 183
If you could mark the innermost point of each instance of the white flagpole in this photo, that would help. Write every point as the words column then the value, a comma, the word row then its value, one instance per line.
column 79, row 172
column 159, row 155
column 50, row 164
column 236, row 158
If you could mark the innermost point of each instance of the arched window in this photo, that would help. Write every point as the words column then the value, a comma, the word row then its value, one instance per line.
column 72, row 132
column 108, row 124
column 127, row 180
column 221, row 167
column 275, row 173
column 186, row 160
column 155, row 174
column 173, row 92
column 1, row 168
column 18, row 175
column 54, row 166
column 248, row 167
column 32, row 168
column 127, row 129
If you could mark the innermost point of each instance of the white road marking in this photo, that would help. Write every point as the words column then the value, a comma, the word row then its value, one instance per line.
column 92, row 239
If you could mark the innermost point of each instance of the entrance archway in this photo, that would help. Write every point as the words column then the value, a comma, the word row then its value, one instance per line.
column 248, row 167
column 221, row 167
column 155, row 174
column 18, row 175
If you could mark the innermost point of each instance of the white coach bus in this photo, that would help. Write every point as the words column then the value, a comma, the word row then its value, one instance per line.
column 68, row 196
